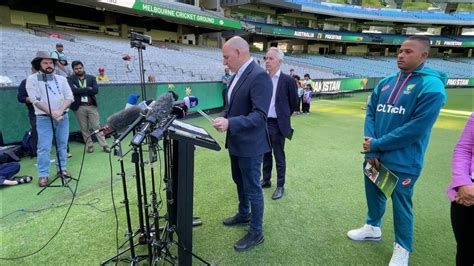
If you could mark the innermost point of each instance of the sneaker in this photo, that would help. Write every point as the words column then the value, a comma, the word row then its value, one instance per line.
column 90, row 149
column 106, row 149
column 366, row 232
column 399, row 256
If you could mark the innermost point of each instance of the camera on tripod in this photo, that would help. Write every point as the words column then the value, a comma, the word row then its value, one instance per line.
column 139, row 40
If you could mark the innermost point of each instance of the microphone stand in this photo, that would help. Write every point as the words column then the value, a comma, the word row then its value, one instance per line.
column 133, row 259
column 141, row 174
column 60, row 175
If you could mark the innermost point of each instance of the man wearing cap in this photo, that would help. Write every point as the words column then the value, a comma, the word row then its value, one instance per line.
column 102, row 76
column 61, row 61
column 51, row 96
column 84, row 87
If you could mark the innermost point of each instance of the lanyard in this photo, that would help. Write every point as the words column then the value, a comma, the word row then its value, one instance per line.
column 82, row 84
column 57, row 86
column 400, row 88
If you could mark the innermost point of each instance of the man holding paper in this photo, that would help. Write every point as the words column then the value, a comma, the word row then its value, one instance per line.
column 244, row 120
column 398, row 123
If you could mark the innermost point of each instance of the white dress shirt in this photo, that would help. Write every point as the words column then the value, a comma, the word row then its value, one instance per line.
column 271, row 110
column 237, row 77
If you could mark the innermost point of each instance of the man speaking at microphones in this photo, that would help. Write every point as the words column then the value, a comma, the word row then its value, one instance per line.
column 244, row 119
column 51, row 96
column 283, row 102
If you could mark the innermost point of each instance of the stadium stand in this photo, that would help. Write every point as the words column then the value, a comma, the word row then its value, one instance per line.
column 355, row 66
column 177, row 62
column 385, row 14
column 168, row 62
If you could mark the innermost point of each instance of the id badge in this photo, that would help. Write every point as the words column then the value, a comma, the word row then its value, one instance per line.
column 84, row 99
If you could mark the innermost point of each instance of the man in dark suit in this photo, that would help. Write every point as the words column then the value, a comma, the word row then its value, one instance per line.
column 244, row 118
column 283, row 103
column 84, row 87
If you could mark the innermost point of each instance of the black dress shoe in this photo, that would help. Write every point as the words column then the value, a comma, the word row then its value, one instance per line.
column 278, row 193
column 237, row 219
column 249, row 241
column 266, row 184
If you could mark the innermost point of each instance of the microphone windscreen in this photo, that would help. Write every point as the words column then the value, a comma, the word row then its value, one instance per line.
column 161, row 107
column 121, row 120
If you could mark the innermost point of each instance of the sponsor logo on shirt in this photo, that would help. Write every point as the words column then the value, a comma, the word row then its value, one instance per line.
column 409, row 89
column 406, row 182
column 386, row 87
column 390, row 109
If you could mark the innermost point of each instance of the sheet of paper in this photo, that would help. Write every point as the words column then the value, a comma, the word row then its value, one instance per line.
column 206, row 116
column 190, row 127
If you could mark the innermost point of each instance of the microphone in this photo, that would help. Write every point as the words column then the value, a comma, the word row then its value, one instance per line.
column 189, row 101
column 159, row 109
column 120, row 120
column 180, row 108
column 44, row 77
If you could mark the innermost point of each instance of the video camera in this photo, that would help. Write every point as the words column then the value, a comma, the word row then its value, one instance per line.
column 135, row 36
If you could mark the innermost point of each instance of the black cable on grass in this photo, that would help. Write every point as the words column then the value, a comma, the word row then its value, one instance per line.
column 64, row 218
column 91, row 204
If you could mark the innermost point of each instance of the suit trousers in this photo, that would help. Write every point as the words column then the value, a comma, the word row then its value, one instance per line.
column 88, row 114
column 246, row 176
column 278, row 149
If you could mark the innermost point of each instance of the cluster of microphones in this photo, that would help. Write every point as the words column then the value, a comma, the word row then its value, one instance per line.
column 147, row 114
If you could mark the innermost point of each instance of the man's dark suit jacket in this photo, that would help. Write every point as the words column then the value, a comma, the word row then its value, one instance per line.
column 247, row 135
column 79, row 92
column 286, row 100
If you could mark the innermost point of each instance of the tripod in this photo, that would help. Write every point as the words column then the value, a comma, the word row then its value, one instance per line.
column 64, row 179
column 133, row 259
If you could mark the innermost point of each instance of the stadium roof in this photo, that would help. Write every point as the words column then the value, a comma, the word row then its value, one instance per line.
column 169, row 11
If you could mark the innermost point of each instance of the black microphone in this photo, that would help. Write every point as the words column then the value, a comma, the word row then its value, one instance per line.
column 160, row 109
column 44, row 77
column 120, row 120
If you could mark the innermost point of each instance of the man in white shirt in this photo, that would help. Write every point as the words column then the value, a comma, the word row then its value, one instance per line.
column 282, row 104
column 244, row 121
column 51, row 96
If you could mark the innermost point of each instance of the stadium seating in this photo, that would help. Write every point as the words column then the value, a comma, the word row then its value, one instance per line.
column 353, row 66
column 381, row 13
column 181, row 63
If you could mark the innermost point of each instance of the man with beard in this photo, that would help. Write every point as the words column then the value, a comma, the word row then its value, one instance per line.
column 84, row 87
column 51, row 100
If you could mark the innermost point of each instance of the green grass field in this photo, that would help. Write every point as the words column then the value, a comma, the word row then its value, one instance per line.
column 324, row 198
